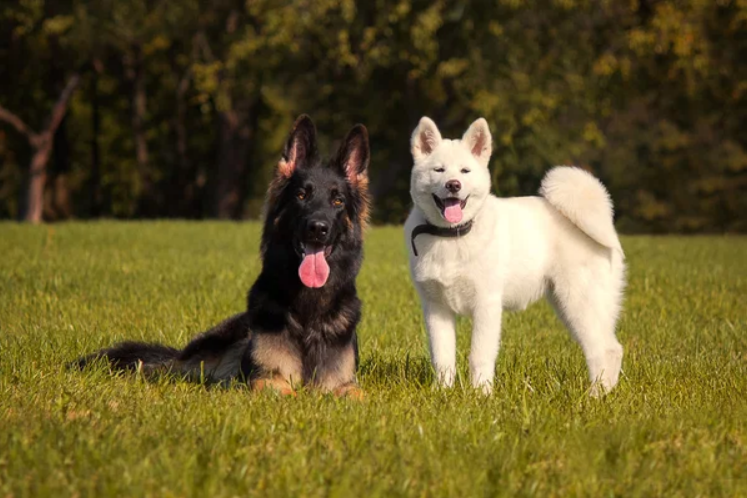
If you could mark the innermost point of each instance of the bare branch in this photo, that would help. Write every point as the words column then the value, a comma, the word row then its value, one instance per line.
column 58, row 112
column 18, row 124
column 60, row 108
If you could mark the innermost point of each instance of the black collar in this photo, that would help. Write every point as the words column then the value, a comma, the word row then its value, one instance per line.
column 452, row 232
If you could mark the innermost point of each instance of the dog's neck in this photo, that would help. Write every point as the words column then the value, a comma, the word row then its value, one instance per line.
column 450, row 232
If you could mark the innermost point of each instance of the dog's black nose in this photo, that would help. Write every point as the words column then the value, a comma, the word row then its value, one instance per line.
column 317, row 229
column 453, row 186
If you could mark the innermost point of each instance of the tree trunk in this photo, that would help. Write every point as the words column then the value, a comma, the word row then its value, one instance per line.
column 41, row 144
column 234, row 137
column 183, row 188
column 95, row 208
column 180, row 126
column 138, row 128
column 57, row 197
column 138, row 107
column 34, row 201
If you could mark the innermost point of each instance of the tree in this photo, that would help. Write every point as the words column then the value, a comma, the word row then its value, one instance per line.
column 41, row 142
column 187, row 104
column 247, row 49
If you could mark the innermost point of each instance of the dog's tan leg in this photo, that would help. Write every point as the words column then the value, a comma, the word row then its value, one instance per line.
column 337, row 375
column 277, row 363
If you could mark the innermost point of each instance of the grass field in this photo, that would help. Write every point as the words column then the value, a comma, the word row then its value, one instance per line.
column 675, row 426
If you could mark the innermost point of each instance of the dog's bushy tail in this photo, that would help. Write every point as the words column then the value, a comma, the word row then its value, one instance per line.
column 581, row 198
column 132, row 355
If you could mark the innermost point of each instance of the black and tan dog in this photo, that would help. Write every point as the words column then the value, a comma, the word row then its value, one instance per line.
column 300, row 324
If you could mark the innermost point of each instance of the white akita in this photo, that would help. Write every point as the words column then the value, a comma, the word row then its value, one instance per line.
column 474, row 254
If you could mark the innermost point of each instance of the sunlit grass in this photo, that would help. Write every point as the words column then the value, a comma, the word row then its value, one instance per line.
column 674, row 426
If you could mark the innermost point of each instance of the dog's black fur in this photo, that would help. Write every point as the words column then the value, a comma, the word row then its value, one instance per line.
column 290, row 333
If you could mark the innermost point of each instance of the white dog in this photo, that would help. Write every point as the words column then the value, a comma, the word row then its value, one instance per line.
column 474, row 254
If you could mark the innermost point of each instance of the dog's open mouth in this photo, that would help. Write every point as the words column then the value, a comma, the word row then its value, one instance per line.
column 314, row 269
column 451, row 207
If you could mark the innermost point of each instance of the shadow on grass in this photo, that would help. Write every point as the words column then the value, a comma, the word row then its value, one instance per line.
column 375, row 370
column 388, row 371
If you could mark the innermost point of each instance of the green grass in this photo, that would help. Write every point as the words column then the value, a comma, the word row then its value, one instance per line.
column 674, row 426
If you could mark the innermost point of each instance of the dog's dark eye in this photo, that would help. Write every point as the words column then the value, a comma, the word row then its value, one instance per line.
column 439, row 170
column 301, row 195
column 465, row 170
column 337, row 202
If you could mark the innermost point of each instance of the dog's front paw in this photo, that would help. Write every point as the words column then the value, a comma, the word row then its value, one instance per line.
column 482, row 376
column 485, row 388
column 599, row 390
column 445, row 377
column 352, row 391
column 279, row 385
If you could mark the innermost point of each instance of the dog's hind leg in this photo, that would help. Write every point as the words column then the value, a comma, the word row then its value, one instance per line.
column 588, row 302
column 440, row 323
column 334, row 369
column 275, row 362
column 216, row 355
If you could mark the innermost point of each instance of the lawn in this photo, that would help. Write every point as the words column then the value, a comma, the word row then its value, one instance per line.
column 675, row 426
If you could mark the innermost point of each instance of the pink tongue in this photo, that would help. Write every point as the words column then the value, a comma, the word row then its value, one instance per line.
column 314, row 270
column 452, row 210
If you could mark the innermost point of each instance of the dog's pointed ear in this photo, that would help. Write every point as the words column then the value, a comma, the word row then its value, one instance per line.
column 425, row 139
column 300, row 146
column 478, row 140
column 354, row 155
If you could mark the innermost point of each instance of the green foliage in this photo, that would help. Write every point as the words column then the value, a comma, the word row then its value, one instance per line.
column 650, row 96
column 675, row 426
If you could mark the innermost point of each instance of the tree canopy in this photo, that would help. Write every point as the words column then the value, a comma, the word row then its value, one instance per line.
column 179, row 109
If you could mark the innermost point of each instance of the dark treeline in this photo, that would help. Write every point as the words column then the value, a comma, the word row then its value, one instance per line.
column 147, row 108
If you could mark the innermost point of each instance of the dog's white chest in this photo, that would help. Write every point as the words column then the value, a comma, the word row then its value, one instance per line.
column 458, row 295
column 444, row 280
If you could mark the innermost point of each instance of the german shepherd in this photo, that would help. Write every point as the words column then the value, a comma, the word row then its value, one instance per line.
column 300, row 324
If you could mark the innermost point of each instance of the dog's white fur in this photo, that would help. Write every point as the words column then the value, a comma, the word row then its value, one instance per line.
column 562, row 245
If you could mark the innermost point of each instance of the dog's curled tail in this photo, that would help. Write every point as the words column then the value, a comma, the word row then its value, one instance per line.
column 582, row 198
column 132, row 356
